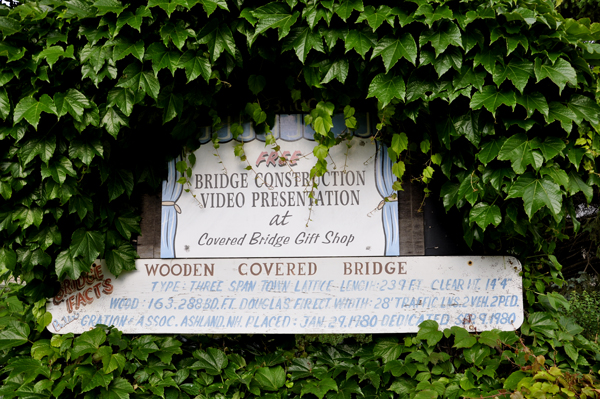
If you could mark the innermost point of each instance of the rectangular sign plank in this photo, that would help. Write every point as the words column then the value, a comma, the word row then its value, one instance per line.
column 294, row 295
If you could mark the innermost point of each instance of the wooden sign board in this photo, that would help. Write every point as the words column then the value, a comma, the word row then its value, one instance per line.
column 294, row 295
column 268, row 205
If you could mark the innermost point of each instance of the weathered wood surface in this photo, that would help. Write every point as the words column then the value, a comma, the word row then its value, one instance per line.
column 148, row 243
column 295, row 295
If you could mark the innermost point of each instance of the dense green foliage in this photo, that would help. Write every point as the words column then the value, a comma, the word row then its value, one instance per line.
column 494, row 101
column 580, row 9
column 549, row 356
column 513, row 133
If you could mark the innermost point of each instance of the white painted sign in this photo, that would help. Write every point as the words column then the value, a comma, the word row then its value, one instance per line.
column 294, row 295
column 267, row 206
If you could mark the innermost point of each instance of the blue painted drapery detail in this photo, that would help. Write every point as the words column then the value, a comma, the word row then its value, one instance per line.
column 171, row 191
column 288, row 127
column 385, row 180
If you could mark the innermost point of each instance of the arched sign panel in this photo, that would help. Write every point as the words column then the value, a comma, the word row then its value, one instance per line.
column 294, row 295
column 269, row 207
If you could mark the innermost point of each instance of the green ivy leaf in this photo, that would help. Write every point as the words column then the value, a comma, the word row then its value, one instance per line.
column 388, row 349
column 398, row 170
column 211, row 5
column 144, row 346
column 28, row 366
column 88, row 342
column 558, row 175
column 270, row 378
column 163, row 58
column 58, row 170
column 168, row 6
column 14, row 334
column 518, row 72
column 375, row 17
column 537, row 193
column 195, row 65
column 98, row 379
column 44, row 148
column 213, row 361
column 121, row 259
column 441, row 38
column 134, row 20
column 319, row 387
column 128, row 224
column 31, row 110
column 513, row 380
column 585, row 108
column 490, row 338
column 73, row 102
column 67, row 265
column 346, row 390
column 561, row 72
column 345, row 8
column 429, row 330
column 86, row 151
column 176, row 33
column 432, row 15
column 47, row 236
column 491, row 99
column 121, row 182
column 386, row 87
column 489, row 151
column 321, row 151
column 106, row 6
column 137, row 79
column 9, row 26
column 361, row 41
column 399, row 142
column 256, row 83
column 302, row 40
column 112, row 120
column 87, row 244
column 551, row 147
column 543, row 323
column 169, row 346
column 450, row 59
column 392, row 49
column 119, row 388
column 173, row 106
column 123, row 47
column 31, row 258
column 472, row 125
column 124, row 98
column 533, row 101
column 576, row 184
column 558, row 112
column 8, row 259
column 337, row 69
column 484, row 215
column 477, row 354
column 53, row 53
column 275, row 15
column 4, row 104
column 218, row 37
column 488, row 57
column 113, row 362
column 426, row 394
column 11, row 53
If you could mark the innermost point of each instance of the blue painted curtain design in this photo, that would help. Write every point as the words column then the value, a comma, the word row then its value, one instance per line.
column 289, row 128
column 385, row 180
column 171, row 191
